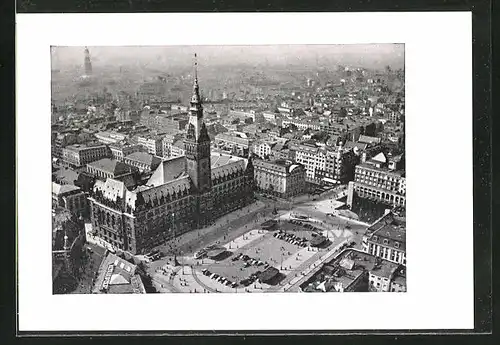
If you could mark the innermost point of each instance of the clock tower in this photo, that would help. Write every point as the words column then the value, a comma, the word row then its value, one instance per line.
column 197, row 147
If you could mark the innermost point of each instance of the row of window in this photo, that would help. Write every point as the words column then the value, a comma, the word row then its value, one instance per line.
column 381, row 175
column 387, row 253
column 365, row 192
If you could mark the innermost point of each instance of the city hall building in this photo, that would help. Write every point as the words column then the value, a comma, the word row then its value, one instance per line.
column 183, row 193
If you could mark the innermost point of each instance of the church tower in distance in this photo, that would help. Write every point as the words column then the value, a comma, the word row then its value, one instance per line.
column 197, row 148
column 87, row 64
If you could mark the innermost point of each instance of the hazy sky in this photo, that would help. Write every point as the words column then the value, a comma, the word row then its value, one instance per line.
column 369, row 55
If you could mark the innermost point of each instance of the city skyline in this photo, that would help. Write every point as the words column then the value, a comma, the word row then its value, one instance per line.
column 292, row 180
column 360, row 55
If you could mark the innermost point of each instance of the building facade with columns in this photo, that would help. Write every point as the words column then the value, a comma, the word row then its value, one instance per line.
column 381, row 180
column 182, row 194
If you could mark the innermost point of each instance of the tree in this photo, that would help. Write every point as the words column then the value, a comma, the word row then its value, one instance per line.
column 248, row 120
column 235, row 121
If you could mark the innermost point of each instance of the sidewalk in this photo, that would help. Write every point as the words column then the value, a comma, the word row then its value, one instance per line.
column 185, row 281
column 314, row 267
column 291, row 264
column 245, row 239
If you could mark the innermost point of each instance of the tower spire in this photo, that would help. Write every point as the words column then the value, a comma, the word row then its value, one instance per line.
column 195, row 68
column 196, row 99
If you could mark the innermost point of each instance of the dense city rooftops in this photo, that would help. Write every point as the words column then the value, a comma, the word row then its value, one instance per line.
column 347, row 269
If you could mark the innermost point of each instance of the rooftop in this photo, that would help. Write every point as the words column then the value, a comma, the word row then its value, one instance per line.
column 388, row 230
column 81, row 147
column 58, row 189
column 168, row 170
column 117, row 276
column 282, row 165
column 368, row 139
column 350, row 144
column 370, row 165
column 220, row 159
column 346, row 269
column 66, row 176
column 144, row 157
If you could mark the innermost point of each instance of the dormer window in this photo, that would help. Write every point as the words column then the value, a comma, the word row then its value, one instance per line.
column 375, row 237
column 396, row 244
column 386, row 241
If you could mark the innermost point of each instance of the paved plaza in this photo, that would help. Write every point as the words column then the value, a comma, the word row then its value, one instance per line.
column 241, row 235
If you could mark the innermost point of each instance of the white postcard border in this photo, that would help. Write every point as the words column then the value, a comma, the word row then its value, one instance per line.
column 438, row 51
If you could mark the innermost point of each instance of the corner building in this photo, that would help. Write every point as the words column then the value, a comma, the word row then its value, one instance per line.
column 183, row 193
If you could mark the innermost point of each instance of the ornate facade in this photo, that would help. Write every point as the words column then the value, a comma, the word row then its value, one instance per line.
column 182, row 194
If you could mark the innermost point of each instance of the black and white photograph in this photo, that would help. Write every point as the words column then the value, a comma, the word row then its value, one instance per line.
column 228, row 169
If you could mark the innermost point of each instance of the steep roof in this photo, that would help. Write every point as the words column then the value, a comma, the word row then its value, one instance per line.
column 380, row 158
column 168, row 170
column 180, row 185
column 111, row 189
column 223, row 165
